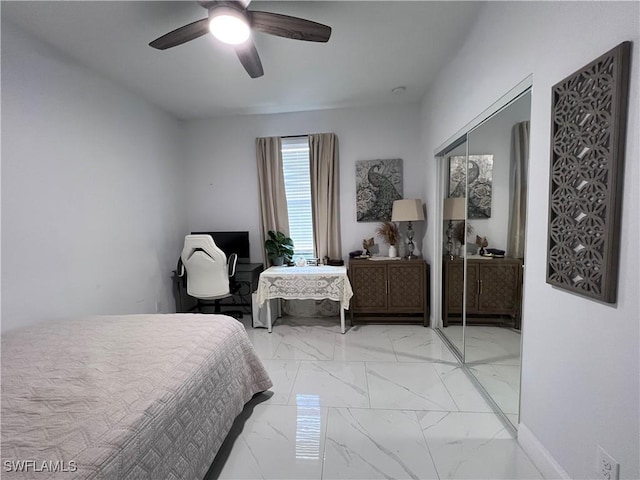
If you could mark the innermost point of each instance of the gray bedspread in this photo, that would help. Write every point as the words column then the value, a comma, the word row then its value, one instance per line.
column 123, row 397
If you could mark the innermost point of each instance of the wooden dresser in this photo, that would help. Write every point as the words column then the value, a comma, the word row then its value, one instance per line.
column 390, row 291
column 494, row 288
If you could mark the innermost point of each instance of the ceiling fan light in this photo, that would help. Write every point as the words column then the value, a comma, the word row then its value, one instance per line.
column 229, row 28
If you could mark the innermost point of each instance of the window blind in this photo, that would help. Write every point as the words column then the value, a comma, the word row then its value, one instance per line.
column 297, row 182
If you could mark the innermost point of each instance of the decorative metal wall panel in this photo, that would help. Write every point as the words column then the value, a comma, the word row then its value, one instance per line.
column 588, row 124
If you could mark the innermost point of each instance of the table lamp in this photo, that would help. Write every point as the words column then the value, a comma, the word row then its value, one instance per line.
column 454, row 209
column 408, row 210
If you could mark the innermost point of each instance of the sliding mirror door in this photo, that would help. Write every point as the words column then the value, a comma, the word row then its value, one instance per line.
column 497, row 165
column 454, row 187
column 484, row 186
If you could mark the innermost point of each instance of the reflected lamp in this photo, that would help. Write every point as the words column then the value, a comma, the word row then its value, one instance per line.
column 454, row 209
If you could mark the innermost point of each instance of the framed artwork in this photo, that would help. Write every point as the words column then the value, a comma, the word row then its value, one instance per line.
column 478, row 176
column 378, row 185
column 588, row 130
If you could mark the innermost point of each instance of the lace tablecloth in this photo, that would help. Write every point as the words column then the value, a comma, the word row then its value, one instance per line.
column 296, row 283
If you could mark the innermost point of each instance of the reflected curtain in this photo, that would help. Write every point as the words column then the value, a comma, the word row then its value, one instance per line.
column 325, row 194
column 273, row 200
column 518, row 189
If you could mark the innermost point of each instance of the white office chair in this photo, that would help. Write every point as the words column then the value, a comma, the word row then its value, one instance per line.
column 209, row 274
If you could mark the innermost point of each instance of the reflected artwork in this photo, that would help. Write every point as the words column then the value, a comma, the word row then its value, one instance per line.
column 479, row 176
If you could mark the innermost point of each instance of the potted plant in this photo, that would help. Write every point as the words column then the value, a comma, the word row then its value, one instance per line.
column 388, row 231
column 279, row 248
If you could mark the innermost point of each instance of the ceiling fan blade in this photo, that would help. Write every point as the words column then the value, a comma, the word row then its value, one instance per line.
column 181, row 35
column 248, row 55
column 289, row 27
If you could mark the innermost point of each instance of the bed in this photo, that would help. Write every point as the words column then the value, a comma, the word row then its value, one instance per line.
column 134, row 396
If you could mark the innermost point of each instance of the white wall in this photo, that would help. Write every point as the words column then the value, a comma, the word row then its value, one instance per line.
column 91, row 204
column 222, row 174
column 580, row 370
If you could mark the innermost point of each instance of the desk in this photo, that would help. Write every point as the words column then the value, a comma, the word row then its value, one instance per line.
column 299, row 283
column 248, row 273
column 246, row 276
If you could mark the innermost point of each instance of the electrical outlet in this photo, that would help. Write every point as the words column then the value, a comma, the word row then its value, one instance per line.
column 607, row 468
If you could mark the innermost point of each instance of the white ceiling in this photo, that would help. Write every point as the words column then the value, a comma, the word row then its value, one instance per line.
column 374, row 47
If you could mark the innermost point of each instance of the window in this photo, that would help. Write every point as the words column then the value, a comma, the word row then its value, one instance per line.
column 297, row 183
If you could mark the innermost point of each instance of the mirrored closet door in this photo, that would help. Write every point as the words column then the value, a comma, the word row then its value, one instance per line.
column 484, row 214
column 454, row 212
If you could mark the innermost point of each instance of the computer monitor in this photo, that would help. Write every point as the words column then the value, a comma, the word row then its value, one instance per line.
column 231, row 242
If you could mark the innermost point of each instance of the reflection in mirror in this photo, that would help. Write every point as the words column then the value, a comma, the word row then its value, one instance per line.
column 496, row 189
column 308, row 428
column 453, row 285
column 484, row 179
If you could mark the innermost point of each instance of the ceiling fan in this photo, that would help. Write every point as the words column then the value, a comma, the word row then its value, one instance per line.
column 231, row 22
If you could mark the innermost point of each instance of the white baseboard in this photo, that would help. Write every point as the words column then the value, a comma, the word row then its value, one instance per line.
column 540, row 456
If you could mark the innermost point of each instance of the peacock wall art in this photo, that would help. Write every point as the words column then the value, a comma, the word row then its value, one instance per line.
column 378, row 185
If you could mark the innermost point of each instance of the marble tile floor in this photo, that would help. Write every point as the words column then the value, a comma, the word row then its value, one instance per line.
column 381, row 401
column 487, row 344
column 492, row 354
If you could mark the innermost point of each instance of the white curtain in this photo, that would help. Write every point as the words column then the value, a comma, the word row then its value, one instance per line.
column 518, row 189
column 325, row 197
column 273, row 199
column 325, row 194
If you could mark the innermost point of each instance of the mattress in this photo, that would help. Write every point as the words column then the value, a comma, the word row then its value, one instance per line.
column 136, row 396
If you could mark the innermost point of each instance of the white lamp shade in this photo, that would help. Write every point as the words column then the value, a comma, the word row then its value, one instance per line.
column 454, row 208
column 407, row 210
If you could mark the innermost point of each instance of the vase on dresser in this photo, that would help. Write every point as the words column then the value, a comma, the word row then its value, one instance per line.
column 393, row 251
